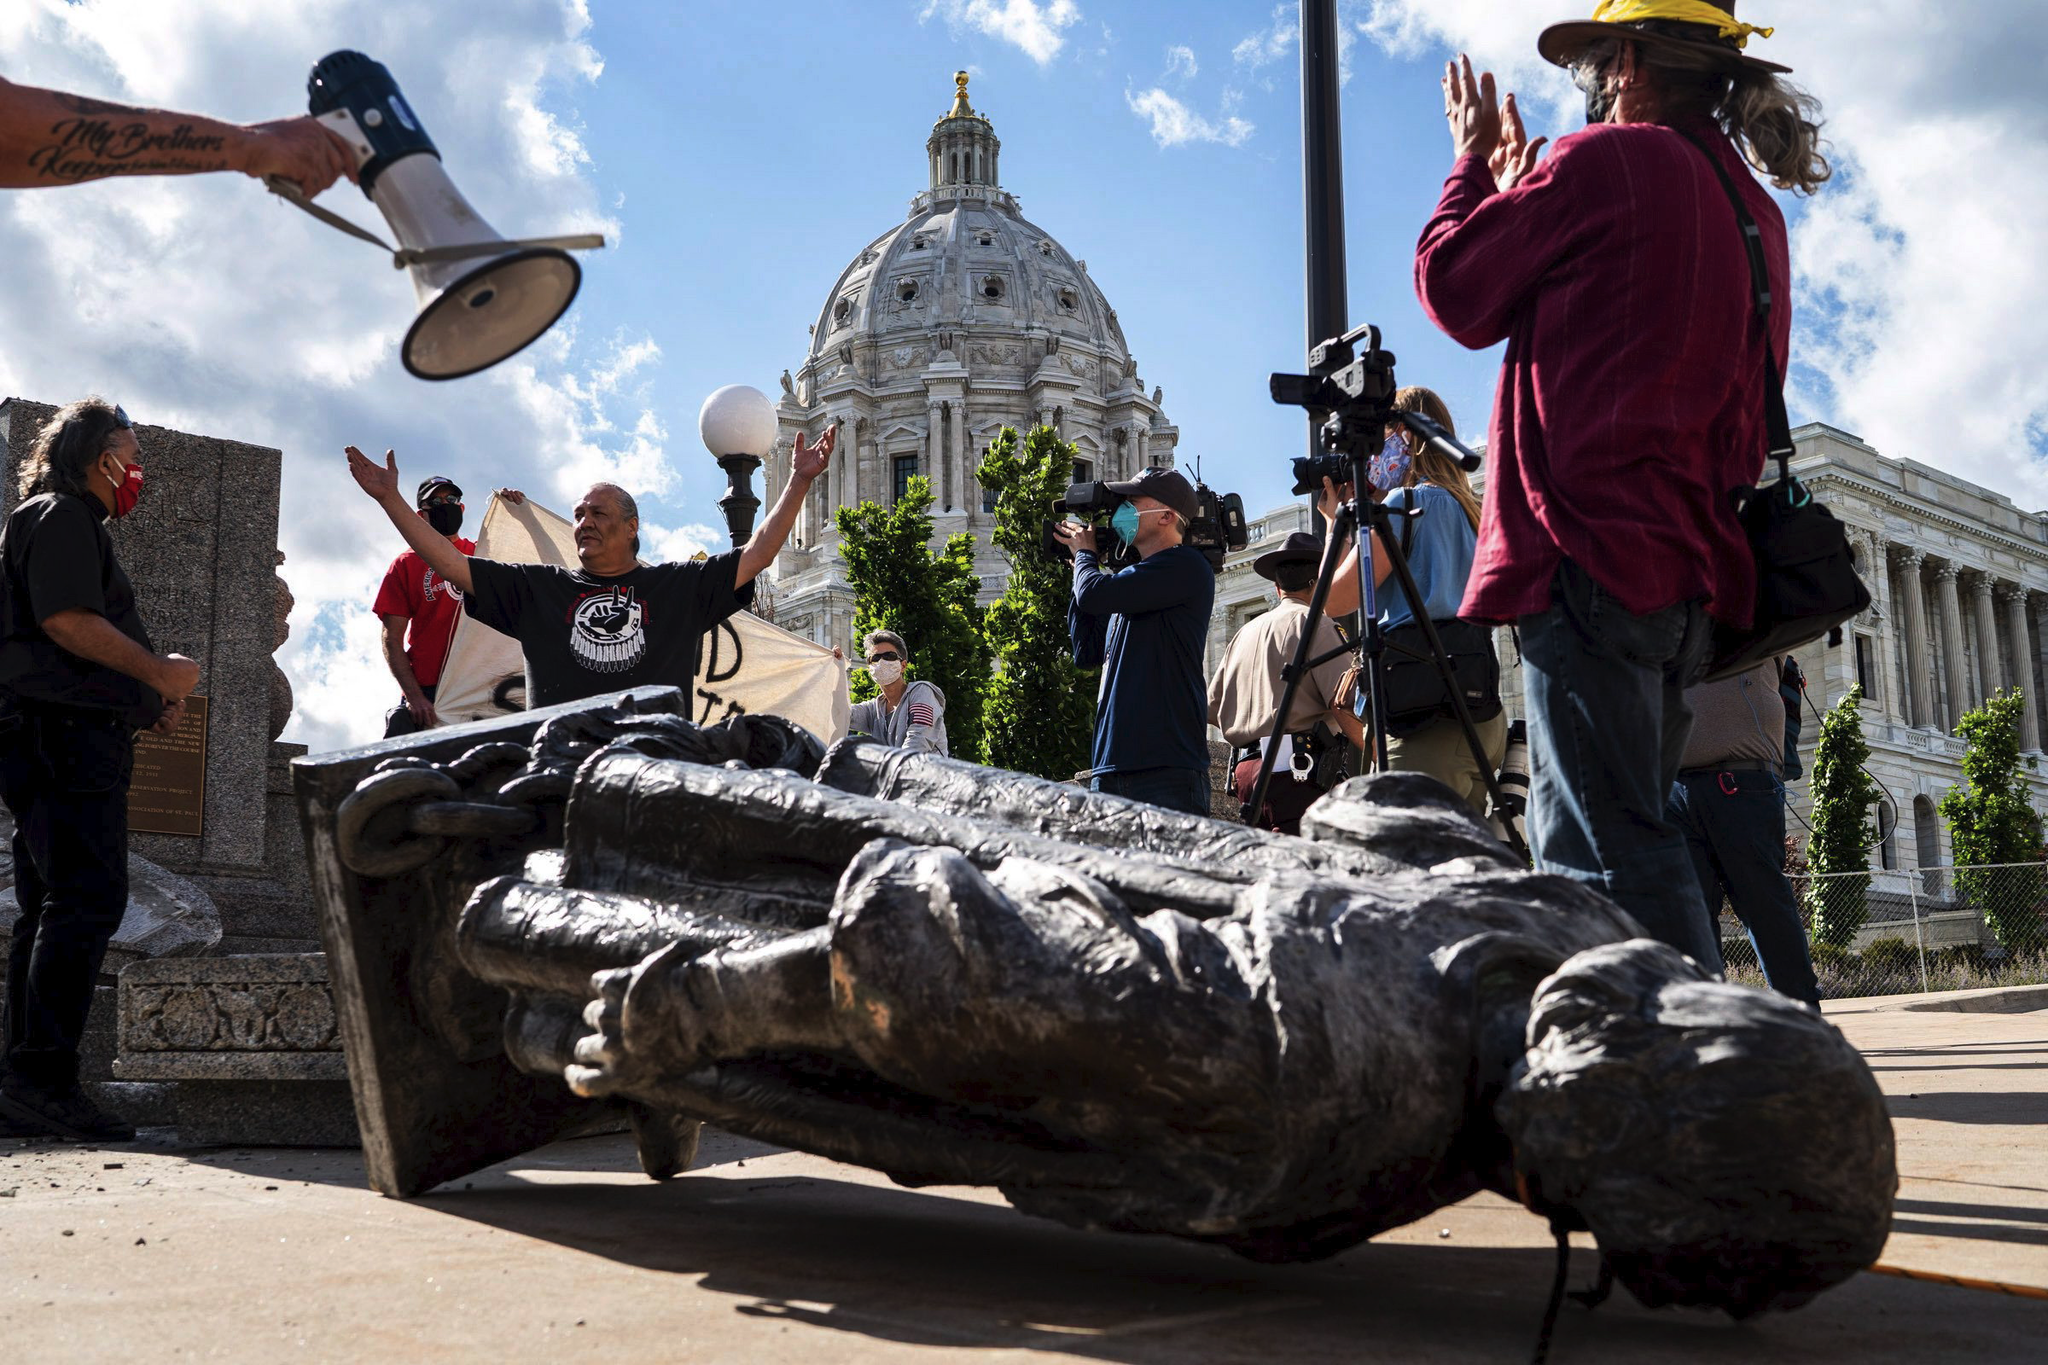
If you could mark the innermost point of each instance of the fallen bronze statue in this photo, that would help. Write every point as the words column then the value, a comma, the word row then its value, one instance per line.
column 1121, row 1017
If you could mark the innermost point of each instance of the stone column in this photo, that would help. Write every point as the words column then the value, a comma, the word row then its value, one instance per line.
column 1919, row 699
column 1141, row 461
column 934, row 445
column 1990, row 669
column 2015, row 599
column 963, row 481
column 1949, row 610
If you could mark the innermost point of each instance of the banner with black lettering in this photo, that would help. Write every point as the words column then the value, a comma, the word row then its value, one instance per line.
column 745, row 664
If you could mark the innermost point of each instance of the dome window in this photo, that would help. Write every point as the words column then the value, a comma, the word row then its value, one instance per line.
column 985, row 237
column 842, row 311
column 1045, row 246
column 906, row 291
column 1068, row 300
column 992, row 288
column 919, row 241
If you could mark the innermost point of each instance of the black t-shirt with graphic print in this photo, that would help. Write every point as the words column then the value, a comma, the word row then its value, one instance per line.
column 584, row 635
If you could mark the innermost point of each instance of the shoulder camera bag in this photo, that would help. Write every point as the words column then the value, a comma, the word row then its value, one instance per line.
column 1806, row 582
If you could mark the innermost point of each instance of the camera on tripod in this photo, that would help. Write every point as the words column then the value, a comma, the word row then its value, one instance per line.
column 1357, row 391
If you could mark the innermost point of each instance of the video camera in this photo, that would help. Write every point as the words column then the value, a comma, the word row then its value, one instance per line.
column 1218, row 527
column 1357, row 391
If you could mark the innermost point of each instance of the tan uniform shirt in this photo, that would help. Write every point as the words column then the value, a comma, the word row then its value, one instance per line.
column 1244, row 695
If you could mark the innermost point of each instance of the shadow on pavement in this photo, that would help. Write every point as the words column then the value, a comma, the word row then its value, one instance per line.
column 2016, row 1107
column 934, row 1269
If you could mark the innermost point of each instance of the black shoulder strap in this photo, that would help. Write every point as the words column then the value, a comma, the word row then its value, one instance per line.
column 1778, row 426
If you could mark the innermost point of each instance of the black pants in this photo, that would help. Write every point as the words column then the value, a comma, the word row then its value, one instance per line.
column 1734, row 827
column 64, row 777
column 398, row 720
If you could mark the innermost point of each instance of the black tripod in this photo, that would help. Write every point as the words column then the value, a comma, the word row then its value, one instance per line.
column 1357, row 394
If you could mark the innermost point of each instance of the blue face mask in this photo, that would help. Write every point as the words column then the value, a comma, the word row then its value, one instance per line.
column 1388, row 470
column 1125, row 523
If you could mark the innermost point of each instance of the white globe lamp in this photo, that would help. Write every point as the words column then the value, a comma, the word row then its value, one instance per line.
column 738, row 426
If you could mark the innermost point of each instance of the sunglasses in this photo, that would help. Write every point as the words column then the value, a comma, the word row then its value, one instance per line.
column 121, row 418
column 887, row 655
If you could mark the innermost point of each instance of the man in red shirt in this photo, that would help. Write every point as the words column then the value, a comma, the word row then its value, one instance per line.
column 1630, row 405
column 419, row 609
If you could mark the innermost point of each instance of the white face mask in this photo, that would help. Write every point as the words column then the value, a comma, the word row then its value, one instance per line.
column 886, row 672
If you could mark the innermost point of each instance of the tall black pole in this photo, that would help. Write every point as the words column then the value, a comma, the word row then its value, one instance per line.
column 1322, row 178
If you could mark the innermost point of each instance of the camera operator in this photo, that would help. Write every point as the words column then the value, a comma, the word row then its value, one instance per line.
column 1438, row 544
column 1244, row 696
column 1151, row 738
column 1630, row 405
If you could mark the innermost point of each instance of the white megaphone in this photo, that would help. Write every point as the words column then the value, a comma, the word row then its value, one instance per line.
column 482, row 298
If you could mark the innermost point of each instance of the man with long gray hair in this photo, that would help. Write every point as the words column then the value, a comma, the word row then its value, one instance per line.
column 1630, row 405
column 78, row 678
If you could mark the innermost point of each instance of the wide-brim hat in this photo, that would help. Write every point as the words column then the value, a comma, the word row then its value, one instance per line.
column 1719, row 31
column 1299, row 548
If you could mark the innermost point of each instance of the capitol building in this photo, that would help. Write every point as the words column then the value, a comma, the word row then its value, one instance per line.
column 961, row 319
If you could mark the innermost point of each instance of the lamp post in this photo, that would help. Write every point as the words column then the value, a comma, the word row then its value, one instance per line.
column 738, row 426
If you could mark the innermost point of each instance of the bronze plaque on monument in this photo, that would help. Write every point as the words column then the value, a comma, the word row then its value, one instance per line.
column 168, row 792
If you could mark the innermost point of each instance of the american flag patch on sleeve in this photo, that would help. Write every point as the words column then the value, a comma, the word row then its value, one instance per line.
column 921, row 713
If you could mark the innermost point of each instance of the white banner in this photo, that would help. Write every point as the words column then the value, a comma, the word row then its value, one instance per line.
column 744, row 664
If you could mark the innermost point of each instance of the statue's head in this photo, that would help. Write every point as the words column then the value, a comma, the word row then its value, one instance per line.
column 1726, row 1146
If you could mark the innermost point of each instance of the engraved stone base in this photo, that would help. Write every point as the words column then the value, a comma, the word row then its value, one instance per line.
column 251, row 1043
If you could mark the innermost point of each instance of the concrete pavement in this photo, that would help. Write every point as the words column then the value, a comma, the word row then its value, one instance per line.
column 155, row 1251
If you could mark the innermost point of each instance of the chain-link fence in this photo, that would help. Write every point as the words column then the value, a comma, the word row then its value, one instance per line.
column 1890, row 932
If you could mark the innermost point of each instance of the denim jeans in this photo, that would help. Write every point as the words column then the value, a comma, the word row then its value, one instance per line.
column 65, row 781
column 1734, row 827
column 1605, row 693
column 1181, row 789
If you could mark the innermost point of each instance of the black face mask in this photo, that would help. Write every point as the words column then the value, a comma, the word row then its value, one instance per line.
column 445, row 517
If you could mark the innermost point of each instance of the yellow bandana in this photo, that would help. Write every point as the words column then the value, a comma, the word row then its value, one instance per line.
column 1724, row 24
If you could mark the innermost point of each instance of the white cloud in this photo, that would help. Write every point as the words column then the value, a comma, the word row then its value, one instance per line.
column 1034, row 26
column 668, row 543
column 1180, row 61
column 1271, row 43
column 1175, row 125
column 206, row 305
column 1921, row 301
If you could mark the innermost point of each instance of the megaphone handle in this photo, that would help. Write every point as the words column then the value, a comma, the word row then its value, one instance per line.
column 292, row 194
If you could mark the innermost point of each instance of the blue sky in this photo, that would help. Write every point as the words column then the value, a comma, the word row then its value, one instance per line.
column 752, row 189
column 739, row 154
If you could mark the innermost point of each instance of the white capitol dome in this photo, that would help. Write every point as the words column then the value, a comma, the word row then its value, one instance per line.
column 962, row 319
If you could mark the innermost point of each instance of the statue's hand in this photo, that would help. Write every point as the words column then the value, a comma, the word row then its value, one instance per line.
column 643, row 1026
column 603, row 1065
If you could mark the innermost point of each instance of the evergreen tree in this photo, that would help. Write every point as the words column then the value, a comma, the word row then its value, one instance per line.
column 1843, row 834
column 1991, row 821
column 1041, row 707
column 899, row 584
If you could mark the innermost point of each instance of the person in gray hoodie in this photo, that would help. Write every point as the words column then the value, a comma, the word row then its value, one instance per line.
column 908, row 714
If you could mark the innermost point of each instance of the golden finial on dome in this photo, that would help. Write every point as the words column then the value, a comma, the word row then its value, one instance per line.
column 961, row 108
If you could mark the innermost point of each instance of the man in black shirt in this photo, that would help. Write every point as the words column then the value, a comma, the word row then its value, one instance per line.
column 611, row 623
column 78, row 677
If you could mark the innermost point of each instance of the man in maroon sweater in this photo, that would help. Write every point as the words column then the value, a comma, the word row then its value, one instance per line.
column 1630, row 404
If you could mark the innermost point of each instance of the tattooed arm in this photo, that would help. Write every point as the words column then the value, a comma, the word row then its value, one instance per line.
column 51, row 138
